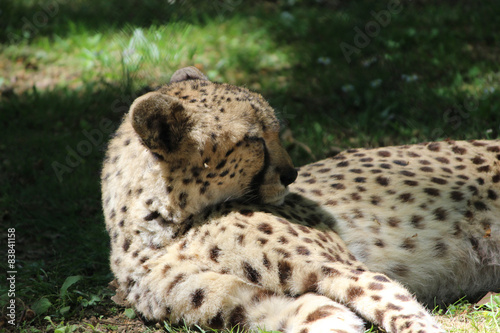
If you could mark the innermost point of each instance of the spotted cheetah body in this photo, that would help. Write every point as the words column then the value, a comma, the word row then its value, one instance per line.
column 427, row 215
column 194, row 190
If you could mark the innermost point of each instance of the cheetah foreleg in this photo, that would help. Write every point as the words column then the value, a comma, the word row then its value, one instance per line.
column 183, row 292
column 309, row 313
column 376, row 298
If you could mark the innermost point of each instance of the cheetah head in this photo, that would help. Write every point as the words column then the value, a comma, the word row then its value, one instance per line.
column 214, row 142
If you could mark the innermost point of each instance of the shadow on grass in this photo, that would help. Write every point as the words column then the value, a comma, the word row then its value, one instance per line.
column 52, row 146
column 413, row 72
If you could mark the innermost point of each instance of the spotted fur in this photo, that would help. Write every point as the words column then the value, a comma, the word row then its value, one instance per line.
column 194, row 190
column 427, row 215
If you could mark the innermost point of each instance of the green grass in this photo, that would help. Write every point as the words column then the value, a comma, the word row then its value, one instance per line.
column 432, row 73
column 465, row 317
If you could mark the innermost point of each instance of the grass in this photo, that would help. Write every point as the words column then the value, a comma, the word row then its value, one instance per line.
column 465, row 317
column 431, row 73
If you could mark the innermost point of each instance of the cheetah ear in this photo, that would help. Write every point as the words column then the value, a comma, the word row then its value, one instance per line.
column 187, row 73
column 161, row 121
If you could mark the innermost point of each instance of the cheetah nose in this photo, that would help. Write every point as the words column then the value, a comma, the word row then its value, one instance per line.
column 288, row 176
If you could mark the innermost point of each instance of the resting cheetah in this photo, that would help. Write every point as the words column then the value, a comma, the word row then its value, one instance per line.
column 194, row 189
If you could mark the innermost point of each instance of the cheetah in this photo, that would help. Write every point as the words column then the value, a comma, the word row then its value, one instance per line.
column 206, row 229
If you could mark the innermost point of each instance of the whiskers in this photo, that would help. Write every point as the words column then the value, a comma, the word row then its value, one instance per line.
column 248, row 195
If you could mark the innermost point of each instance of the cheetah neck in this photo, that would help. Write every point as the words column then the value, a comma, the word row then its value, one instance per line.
column 173, row 198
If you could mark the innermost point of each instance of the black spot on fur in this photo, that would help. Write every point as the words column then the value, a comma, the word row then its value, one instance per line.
column 265, row 228
column 342, row 164
column 221, row 164
column 197, row 298
column 338, row 186
column 439, row 181
column 284, row 271
column 246, row 212
column 251, row 273
column 456, row 196
column 214, row 253
column 177, row 279
column 320, row 313
column 443, row 160
column 411, row 182
column 265, row 261
column 484, row 168
column 473, row 189
column 383, row 181
column 311, row 283
column 406, row 197
column 400, row 162
column 237, row 316
column 435, row 146
column 302, row 250
column 216, row 322
column 492, row 195
column 126, row 245
column 381, row 278
column 151, row 216
column 384, row 153
column 354, row 292
column 440, row 248
column 375, row 286
column 400, row 270
column 431, row 191
column 440, row 214
column 459, row 150
column 393, row 221
column 183, row 200
column 479, row 205
column 478, row 160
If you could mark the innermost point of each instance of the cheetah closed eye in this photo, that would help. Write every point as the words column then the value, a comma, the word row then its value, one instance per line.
column 195, row 189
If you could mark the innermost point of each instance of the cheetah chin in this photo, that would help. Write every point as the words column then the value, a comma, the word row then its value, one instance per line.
column 278, row 199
